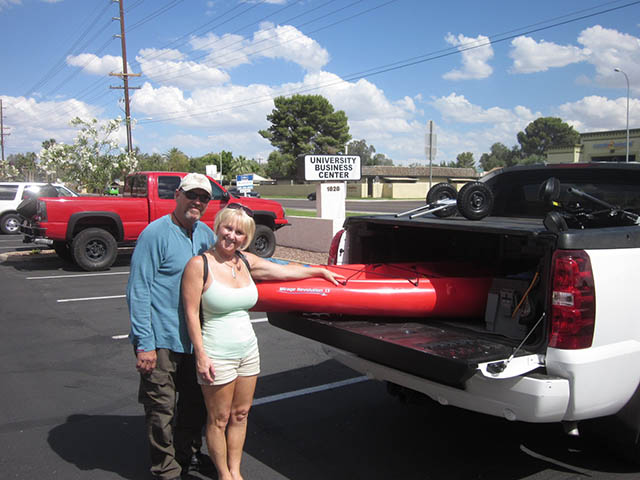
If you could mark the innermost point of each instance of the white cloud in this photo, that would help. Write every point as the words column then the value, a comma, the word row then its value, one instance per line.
column 530, row 56
column 610, row 49
column 289, row 43
column 167, row 67
column 224, row 107
column 457, row 108
column 276, row 42
column 595, row 113
column 474, row 57
column 95, row 65
column 604, row 48
column 32, row 121
column 9, row 3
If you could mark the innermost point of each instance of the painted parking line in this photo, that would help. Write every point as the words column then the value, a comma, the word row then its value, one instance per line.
column 48, row 277
column 86, row 299
column 307, row 391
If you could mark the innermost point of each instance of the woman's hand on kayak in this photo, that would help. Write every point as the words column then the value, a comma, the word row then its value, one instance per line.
column 333, row 277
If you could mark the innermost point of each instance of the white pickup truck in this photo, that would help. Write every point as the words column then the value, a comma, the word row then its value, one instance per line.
column 559, row 340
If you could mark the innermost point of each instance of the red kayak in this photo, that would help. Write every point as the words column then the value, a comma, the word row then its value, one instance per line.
column 389, row 289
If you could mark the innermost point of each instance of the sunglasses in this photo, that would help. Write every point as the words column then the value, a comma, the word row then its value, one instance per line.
column 238, row 206
column 191, row 195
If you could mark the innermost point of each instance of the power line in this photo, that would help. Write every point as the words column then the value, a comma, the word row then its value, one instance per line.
column 61, row 62
column 403, row 64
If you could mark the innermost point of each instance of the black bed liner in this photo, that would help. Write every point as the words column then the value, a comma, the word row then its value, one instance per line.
column 593, row 238
column 433, row 350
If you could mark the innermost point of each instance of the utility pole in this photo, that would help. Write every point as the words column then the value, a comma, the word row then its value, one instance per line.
column 124, row 75
column 2, row 134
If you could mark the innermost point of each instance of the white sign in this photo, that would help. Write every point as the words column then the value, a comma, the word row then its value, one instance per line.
column 332, row 168
column 244, row 182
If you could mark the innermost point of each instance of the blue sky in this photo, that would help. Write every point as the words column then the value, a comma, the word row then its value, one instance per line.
column 209, row 69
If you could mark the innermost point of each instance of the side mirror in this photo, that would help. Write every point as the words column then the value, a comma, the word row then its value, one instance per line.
column 549, row 190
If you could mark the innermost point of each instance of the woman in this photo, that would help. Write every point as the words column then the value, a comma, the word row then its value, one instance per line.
column 225, row 346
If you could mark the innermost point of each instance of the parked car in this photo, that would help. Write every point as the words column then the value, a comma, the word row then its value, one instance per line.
column 12, row 193
column 311, row 196
column 237, row 193
column 88, row 230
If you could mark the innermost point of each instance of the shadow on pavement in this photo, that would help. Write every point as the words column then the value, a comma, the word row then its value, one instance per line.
column 112, row 443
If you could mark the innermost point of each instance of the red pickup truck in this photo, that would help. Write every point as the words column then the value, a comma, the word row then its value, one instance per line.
column 88, row 230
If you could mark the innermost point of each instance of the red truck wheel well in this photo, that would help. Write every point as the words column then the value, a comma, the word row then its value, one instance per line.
column 108, row 221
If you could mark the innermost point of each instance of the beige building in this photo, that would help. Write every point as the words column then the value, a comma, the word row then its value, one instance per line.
column 610, row 146
column 406, row 182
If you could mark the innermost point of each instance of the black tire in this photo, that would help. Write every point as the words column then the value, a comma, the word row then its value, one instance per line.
column 94, row 249
column 475, row 200
column 549, row 191
column 442, row 191
column 63, row 250
column 264, row 242
column 10, row 224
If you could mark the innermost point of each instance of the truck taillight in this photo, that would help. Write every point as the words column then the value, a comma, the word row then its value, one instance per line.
column 334, row 248
column 573, row 300
column 41, row 211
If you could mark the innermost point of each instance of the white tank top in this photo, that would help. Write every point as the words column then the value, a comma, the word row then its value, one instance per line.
column 227, row 331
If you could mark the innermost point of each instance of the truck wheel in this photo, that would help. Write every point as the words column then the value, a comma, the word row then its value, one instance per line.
column 475, row 200
column 264, row 242
column 442, row 191
column 63, row 250
column 10, row 224
column 94, row 249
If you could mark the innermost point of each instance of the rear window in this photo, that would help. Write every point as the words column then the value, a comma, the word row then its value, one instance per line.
column 8, row 192
column 517, row 194
column 135, row 186
column 167, row 186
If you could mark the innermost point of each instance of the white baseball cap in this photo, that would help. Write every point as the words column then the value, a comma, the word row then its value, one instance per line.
column 192, row 181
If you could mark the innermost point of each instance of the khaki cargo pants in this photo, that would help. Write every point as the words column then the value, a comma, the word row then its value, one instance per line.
column 174, row 410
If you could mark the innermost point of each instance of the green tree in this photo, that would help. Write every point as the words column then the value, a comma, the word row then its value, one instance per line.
column 152, row 162
column 465, row 160
column 280, row 165
column 500, row 156
column 94, row 160
column 27, row 166
column 364, row 151
column 545, row 133
column 382, row 159
column 177, row 161
column 306, row 124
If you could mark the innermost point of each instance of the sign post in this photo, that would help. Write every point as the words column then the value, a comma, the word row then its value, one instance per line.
column 332, row 171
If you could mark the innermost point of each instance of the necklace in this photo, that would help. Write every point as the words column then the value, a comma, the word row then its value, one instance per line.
column 224, row 262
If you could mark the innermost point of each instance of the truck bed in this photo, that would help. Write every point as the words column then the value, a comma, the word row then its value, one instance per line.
column 435, row 350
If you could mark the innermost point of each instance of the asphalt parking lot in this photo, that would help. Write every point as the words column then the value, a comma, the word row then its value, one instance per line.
column 68, row 406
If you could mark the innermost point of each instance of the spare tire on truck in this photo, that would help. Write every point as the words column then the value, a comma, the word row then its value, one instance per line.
column 94, row 249
column 27, row 208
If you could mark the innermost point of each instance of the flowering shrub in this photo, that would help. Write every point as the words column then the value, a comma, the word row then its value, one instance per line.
column 94, row 160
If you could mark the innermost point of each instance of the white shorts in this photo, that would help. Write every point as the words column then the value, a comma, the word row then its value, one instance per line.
column 228, row 369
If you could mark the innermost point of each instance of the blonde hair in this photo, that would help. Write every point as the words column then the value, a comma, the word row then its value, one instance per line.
column 245, row 222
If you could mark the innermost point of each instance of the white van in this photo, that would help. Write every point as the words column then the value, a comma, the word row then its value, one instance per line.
column 12, row 193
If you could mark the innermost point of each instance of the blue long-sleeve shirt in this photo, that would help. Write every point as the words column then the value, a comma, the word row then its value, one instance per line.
column 153, row 291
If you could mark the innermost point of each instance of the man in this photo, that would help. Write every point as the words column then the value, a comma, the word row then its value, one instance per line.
column 159, row 335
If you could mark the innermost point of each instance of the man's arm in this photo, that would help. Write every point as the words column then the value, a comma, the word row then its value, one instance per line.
column 145, row 263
